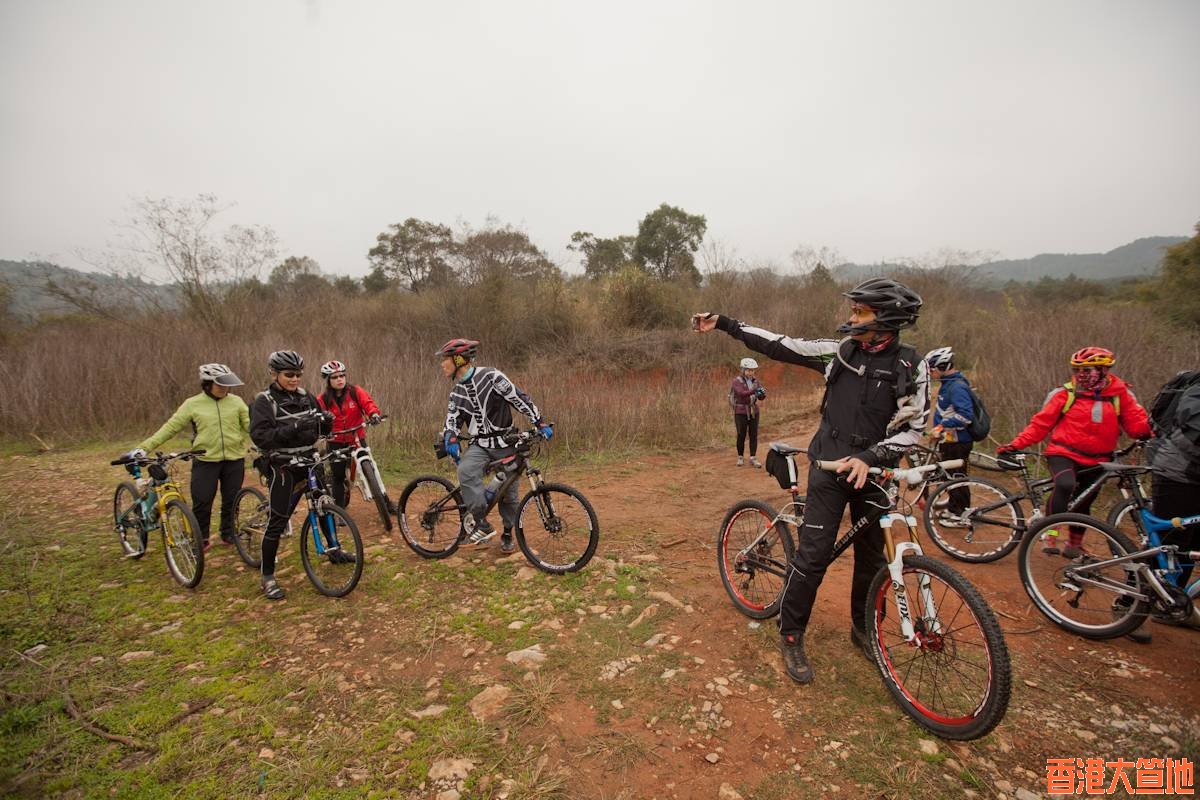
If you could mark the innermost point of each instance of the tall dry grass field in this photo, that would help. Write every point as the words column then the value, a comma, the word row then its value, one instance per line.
column 615, row 366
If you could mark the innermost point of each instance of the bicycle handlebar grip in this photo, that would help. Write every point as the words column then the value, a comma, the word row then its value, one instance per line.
column 953, row 463
column 832, row 466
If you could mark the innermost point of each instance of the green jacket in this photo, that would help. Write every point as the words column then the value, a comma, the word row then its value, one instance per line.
column 221, row 427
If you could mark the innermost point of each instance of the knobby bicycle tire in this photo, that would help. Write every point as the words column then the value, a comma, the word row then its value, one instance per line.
column 419, row 524
column 557, row 528
column 1048, row 583
column 311, row 559
column 127, row 520
column 181, row 543
column 371, row 474
column 1009, row 516
column 973, row 651
column 250, row 524
column 755, row 582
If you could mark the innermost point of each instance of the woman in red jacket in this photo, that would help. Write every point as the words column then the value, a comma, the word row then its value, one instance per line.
column 1084, row 419
column 350, row 405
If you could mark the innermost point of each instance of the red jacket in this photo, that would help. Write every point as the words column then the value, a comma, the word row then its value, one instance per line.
column 355, row 407
column 1088, row 432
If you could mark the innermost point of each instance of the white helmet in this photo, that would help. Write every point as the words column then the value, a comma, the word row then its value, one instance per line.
column 941, row 358
column 748, row 363
column 219, row 374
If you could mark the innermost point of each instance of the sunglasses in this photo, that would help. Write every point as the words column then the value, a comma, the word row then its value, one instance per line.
column 859, row 308
column 291, row 374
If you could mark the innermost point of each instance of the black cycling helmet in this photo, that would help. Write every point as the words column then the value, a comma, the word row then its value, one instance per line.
column 896, row 306
column 282, row 360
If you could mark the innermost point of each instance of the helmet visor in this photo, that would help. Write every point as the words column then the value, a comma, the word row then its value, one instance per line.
column 227, row 380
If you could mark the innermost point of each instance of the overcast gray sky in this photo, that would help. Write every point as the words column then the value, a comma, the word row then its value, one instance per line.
column 882, row 129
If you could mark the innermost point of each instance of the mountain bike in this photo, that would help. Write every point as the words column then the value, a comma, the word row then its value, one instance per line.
column 934, row 639
column 993, row 524
column 556, row 528
column 365, row 473
column 325, row 526
column 146, row 503
column 1102, row 585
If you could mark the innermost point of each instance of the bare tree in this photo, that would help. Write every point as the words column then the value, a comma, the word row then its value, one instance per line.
column 174, row 240
column 806, row 258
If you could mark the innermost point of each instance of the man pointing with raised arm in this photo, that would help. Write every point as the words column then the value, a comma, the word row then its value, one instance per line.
column 874, row 408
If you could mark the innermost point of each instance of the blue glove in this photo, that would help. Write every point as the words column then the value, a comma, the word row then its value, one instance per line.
column 452, row 447
column 546, row 430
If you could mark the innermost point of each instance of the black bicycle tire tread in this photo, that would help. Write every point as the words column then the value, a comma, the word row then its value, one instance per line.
column 1001, row 694
column 197, row 546
column 593, row 539
column 246, row 557
column 1138, row 610
column 371, row 473
column 771, row 609
column 306, row 553
column 132, row 487
column 424, row 552
column 1013, row 499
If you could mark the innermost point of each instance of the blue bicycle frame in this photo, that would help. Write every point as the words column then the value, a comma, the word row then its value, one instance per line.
column 313, row 521
column 1153, row 526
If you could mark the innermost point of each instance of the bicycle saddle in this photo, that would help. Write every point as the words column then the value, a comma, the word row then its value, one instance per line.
column 785, row 449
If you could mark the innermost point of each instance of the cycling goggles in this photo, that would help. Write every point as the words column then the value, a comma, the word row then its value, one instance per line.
column 291, row 374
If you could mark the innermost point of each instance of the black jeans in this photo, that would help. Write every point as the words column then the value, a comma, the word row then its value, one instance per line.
column 828, row 495
column 1070, row 477
column 746, row 424
column 960, row 498
column 286, row 487
column 206, row 476
column 1170, row 499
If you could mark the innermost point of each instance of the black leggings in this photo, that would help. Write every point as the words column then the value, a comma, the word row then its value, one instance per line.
column 960, row 497
column 745, row 424
column 1070, row 477
column 286, row 487
column 339, row 484
column 206, row 476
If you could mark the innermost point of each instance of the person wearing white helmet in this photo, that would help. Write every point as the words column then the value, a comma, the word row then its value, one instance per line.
column 351, row 406
column 744, row 396
column 219, row 423
column 951, row 432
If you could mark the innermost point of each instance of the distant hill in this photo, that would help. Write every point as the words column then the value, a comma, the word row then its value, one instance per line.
column 31, row 297
column 1136, row 259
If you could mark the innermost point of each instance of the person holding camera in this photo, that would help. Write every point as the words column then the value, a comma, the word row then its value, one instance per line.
column 744, row 396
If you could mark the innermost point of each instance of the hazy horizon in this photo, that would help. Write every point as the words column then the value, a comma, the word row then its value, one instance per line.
column 880, row 130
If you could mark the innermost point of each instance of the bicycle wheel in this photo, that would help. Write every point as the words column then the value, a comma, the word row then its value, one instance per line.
column 250, row 513
column 430, row 514
column 987, row 530
column 753, row 557
column 563, row 535
column 378, row 494
column 181, row 543
column 127, row 520
column 1073, row 587
column 332, row 578
column 954, row 678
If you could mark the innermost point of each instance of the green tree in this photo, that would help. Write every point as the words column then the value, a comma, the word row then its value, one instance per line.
column 1181, row 279
column 415, row 254
column 666, row 244
column 376, row 281
column 503, row 252
column 602, row 256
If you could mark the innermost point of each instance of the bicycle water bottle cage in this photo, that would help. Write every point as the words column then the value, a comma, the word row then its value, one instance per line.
column 158, row 472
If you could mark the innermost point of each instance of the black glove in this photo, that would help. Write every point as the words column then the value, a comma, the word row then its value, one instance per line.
column 375, row 419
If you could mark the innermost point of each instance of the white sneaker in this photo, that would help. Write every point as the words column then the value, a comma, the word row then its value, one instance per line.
column 740, row 461
column 480, row 533
column 755, row 463
column 949, row 520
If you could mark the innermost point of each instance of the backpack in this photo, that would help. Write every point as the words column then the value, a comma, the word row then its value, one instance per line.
column 981, row 424
column 1162, row 410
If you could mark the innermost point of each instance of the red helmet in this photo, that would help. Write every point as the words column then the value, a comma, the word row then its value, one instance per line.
column 461, row 350
column 1092, row 357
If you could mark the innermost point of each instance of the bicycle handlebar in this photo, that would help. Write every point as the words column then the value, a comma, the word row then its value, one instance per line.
column 185, row 455
column 359, row 426
column 910, row 475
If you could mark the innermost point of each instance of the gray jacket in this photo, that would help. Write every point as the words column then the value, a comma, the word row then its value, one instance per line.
column 1176, row 456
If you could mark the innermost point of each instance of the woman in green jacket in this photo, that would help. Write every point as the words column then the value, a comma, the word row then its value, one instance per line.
column 220, row 423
